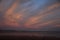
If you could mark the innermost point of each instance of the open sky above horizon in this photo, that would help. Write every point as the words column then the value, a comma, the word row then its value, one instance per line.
column 30, row 15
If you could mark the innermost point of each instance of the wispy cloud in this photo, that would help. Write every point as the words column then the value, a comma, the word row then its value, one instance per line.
column 31, row 14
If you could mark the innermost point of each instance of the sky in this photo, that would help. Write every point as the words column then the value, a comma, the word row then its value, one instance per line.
column 29, row 15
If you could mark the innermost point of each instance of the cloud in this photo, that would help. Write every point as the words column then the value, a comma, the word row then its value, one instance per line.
column 30, row 14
